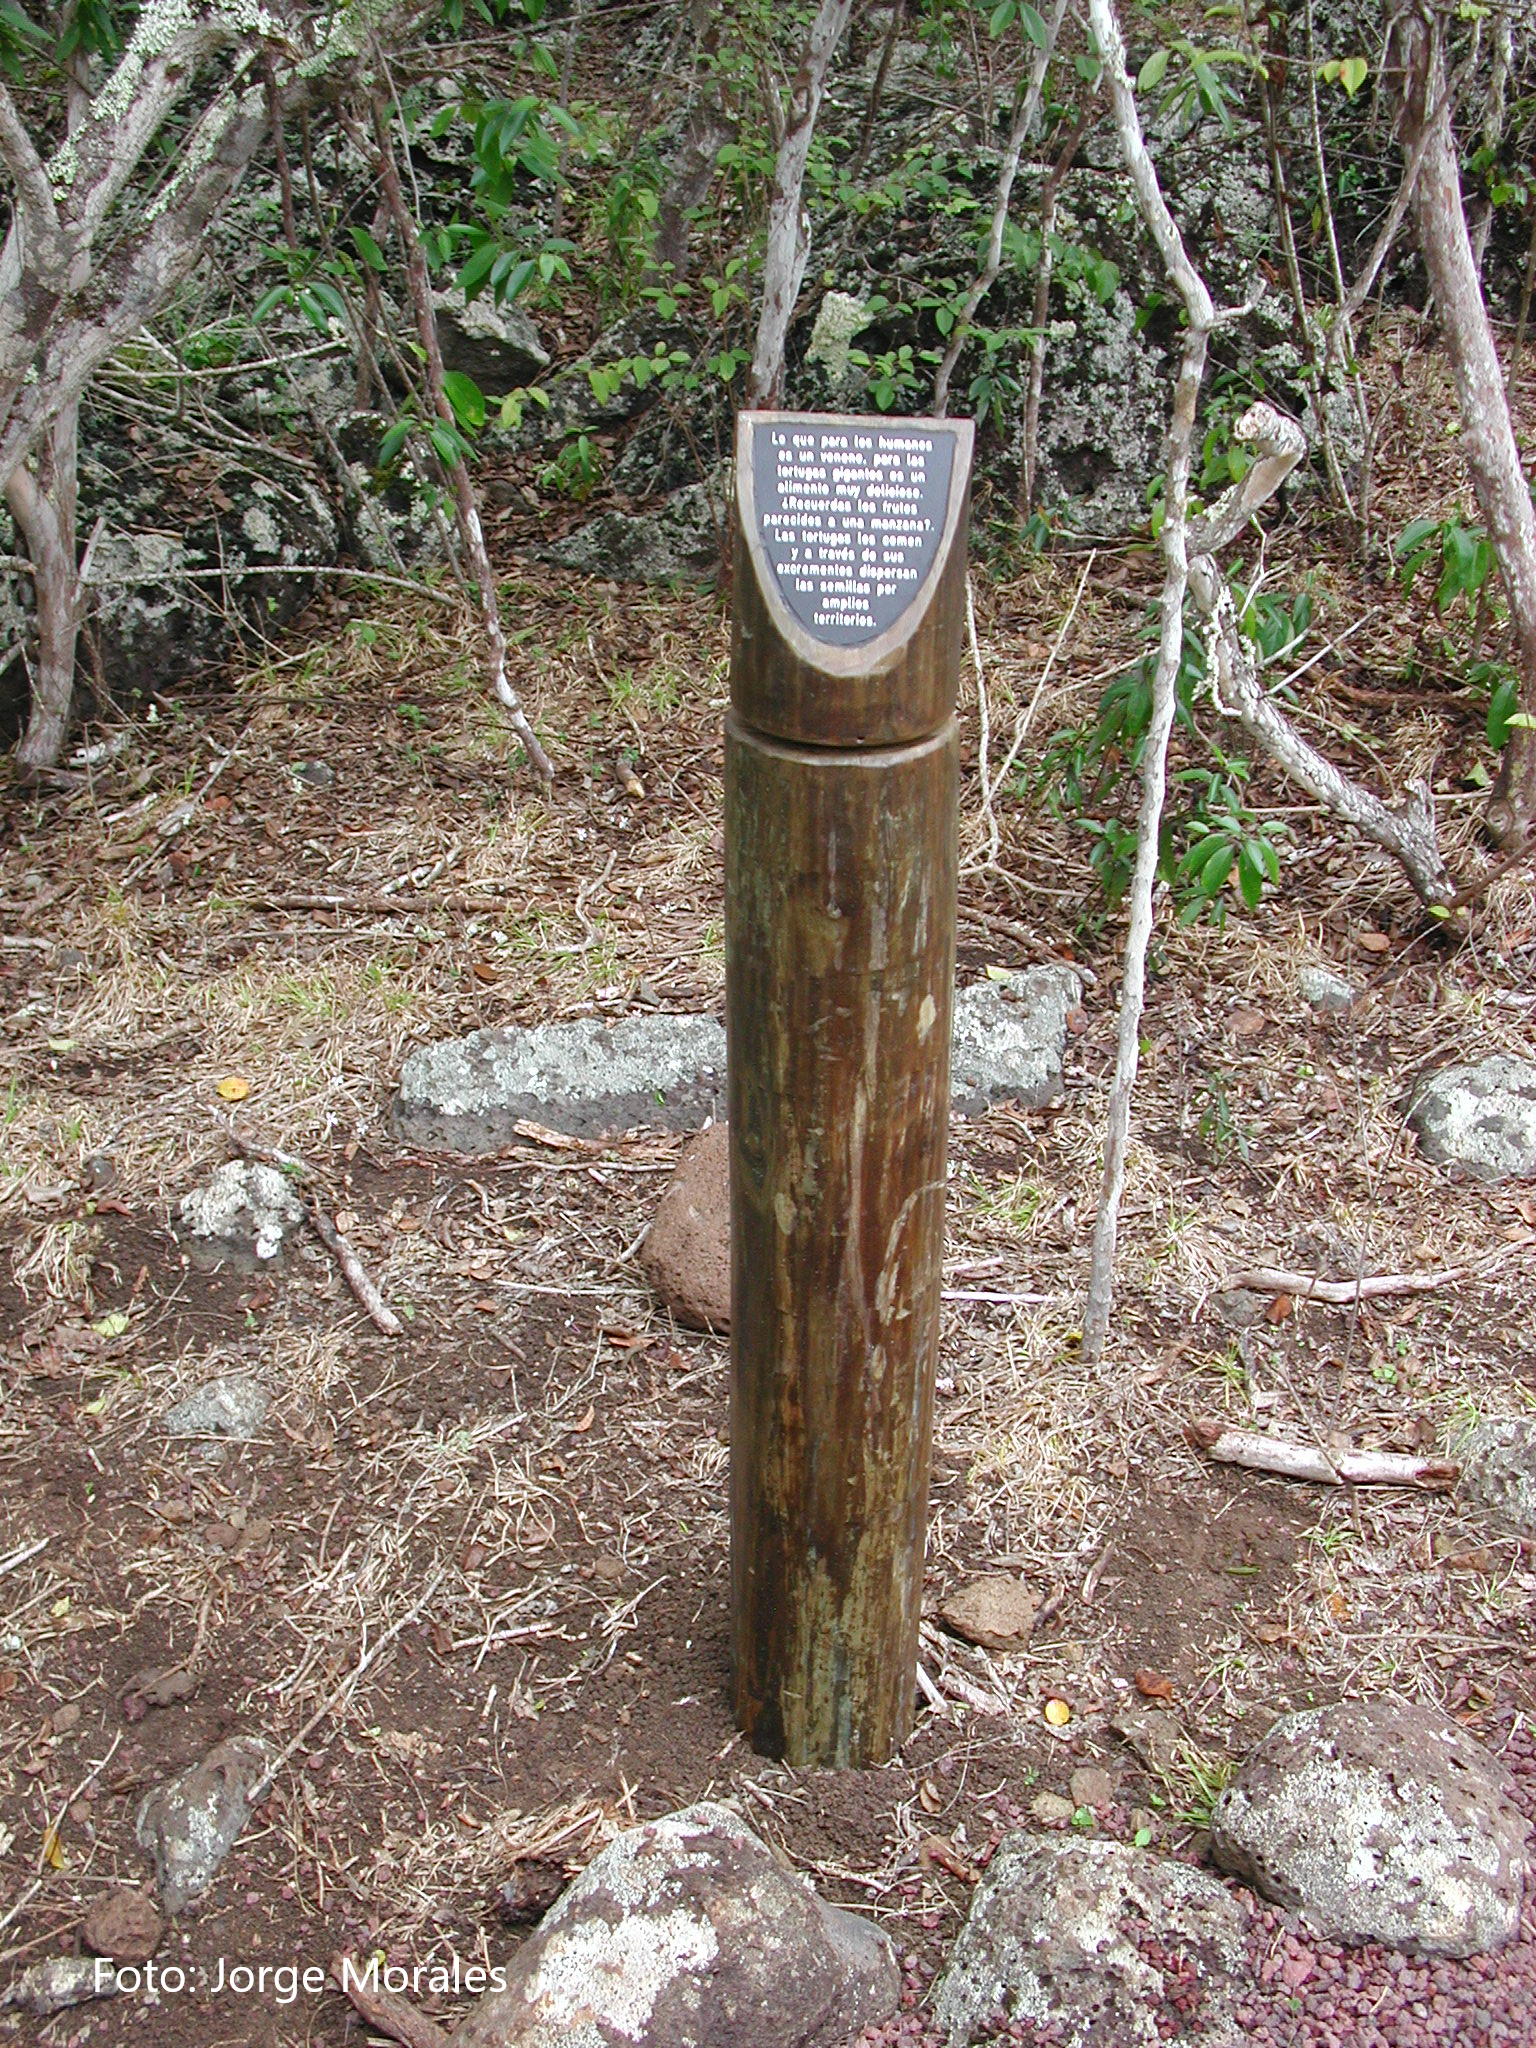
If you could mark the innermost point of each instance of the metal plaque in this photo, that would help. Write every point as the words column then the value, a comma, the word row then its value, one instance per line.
column 851, row 515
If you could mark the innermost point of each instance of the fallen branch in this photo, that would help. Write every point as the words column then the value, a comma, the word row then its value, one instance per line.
column 378, row 1310
column 1256, row 1453
column 1306, row 1287
column 382, row 2010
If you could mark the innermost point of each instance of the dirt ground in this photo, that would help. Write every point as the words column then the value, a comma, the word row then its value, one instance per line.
column 470, row 1584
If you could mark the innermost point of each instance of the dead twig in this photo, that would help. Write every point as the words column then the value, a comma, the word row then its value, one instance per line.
column 378, row 1310
column 1256, row 1453
column 1307, row 1287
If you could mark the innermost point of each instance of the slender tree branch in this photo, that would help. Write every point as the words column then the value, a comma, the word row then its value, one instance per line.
column 1201, row 315
column 1023, row 122
column 470, row 529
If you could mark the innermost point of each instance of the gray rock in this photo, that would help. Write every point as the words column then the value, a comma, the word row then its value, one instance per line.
column 60, row 1982
column 687, row 1251
column 1009, row 1038
column 677, row 541
column 498, row 346
column 1498, row 1472
column 685, row 1933
column 1239, row 1307
column 1046, row 1940
column 1325, row 990
column 242, row 1215
column 1480, row 1118
column 470, row 1093
column 190, row 1824
column 1380, row 1821
column 233, row 1407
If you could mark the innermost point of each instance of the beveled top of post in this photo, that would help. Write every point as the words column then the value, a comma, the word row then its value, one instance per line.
column 849, row 595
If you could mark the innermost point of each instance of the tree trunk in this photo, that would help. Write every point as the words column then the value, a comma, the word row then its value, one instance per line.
column 789, row 241
column 42, row 503
column 1488, row 435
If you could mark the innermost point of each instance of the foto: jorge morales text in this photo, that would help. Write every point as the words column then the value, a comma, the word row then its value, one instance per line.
column 283, row 1982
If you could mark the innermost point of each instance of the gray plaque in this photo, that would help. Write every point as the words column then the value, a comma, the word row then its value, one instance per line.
column 851, row 515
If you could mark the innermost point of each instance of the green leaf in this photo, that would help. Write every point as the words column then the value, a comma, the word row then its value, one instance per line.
column 393, row 442
column 1002, row 14
column 1150, row 76
column 1214, row 874
column 1033, row 26
column 478, row 268
column 368, row 249
column 449, row 446
column 1353, row 73
column 280, row 295
column 466, row 398
column 1250, row 878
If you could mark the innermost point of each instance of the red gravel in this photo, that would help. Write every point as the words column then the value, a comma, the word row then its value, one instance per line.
column 1314, row 1994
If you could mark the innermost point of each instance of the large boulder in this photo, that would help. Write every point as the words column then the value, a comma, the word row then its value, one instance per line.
column 687, row 1251
column 498, row 346
column 685, row 1933
column 591, row 1075
column 1480, row 1119
column 1096, row 1940
column 1379, row 1821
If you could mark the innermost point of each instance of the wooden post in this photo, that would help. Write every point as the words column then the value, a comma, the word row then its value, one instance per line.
column 841, row 775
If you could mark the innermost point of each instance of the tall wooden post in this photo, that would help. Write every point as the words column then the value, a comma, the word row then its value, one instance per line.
column 841, row 772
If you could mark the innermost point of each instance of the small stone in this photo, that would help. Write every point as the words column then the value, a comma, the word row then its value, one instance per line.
column 315, row 774
column 1051, row 1810
column 687, row 1251
column 242, row 1216
column 1480, row 1119
column 222, row 1535
column 60, row 1982
column 124, row 1925
column 1498, row 1472
column 233, row 1407
column 1091, row 1785
column 1070, row 1933
column 684, row 1932
column 1379, row 1821
column 1239, row 1307
column 64, row 1718
column 156, row 1688
column 994, row 1611
column 1325, row 990
column 190, row 1824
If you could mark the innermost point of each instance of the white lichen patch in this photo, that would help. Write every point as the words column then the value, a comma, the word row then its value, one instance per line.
column 261, row 530
column 618, row 1969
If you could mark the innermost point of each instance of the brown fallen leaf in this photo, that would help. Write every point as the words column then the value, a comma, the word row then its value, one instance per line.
column 1373, row 942
column 941, row 1850
column 1280, row 1309
column 586, row 1422
column 929, row 1798
column 484, row 971
column 1247, row 1023
column 1152, row 1685
column 1527, row 1210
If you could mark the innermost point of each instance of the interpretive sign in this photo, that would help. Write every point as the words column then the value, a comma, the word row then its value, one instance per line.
column 841, row 778
column 851, row 515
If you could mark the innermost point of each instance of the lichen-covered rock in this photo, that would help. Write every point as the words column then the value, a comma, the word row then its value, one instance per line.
column 676, row 541
column 1498, row 1472
column 242, row 1215
column 1380, row 1821
column 586, row 1076
column 1082, row 1936
column 687, row 1251
column 685, row 1933
column 60, row 1982
column 234, row 1406
column 1480, row 1118
column 1010, row 1036
column 190, row 1824
column 498, row 346
column 1325, row 990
